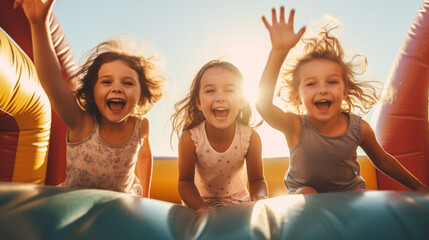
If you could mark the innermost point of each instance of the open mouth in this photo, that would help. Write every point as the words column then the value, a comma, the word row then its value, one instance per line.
column 323, row 104
column 116, row 104
column 220, row 112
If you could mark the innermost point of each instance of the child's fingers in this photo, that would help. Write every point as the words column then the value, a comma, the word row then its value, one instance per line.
column 301, row 32
column 274, row 16
column 291, row 16
column 282, row 14
column 264, row 20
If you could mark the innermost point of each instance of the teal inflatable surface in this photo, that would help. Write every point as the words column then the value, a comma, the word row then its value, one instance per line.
column 30, row 211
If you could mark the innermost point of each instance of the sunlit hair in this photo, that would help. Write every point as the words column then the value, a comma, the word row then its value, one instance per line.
column 150, row 78
column 362, row 95
column 186, row 113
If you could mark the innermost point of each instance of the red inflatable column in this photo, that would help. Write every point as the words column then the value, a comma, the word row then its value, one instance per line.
column 402, row 125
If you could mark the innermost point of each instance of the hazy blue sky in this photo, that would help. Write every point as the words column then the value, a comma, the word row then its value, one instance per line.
column 189, row 33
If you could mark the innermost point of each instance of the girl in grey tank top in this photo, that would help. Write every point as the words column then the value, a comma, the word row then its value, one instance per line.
column 330, row 164
column 319, row 86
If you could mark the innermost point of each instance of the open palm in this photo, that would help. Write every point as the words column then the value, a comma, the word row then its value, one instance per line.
column 282, row 33
column 35, row 10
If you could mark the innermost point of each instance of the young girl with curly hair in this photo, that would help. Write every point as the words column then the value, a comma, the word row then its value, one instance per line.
column 323, row 133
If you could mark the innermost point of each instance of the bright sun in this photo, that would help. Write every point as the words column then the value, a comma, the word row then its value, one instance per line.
column 251, row 62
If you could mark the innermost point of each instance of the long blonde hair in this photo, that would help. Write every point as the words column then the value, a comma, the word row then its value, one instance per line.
column 362, row 95
column 186, row 113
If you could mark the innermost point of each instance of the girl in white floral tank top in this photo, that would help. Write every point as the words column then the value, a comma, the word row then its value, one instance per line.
column 114, row 87
column 218, row 151
column 93, row 163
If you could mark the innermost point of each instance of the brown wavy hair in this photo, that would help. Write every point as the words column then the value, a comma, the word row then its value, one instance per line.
column 186, row 113
column 362, row 95
column 151, row 80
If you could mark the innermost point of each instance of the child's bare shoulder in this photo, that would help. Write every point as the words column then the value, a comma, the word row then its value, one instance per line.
column 185, row 136
column 145, row 127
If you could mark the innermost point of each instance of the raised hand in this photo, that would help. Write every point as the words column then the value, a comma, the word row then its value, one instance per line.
column 37, row 11
column 282, row 33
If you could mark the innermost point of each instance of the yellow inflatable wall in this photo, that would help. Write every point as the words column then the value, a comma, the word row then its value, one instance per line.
column 23, row 99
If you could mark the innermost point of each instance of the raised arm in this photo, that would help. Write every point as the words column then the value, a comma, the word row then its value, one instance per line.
column 386, row 162
column 283, row 38
column 186, row 161
column 48, row 68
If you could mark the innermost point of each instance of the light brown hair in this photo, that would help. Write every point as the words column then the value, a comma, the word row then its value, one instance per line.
column 151, row 80
column 186, row 113
column 362, row 95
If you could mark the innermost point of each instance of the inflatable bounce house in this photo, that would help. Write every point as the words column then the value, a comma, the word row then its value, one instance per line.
column 32, row 161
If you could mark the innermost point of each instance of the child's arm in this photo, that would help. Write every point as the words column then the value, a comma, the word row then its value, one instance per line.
column 145, row 160
column 255, row 170
column 283, row 39
column 386, row 162
column 46, row 62
column 186, row 161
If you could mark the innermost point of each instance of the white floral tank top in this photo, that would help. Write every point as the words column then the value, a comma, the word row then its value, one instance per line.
column 93, row 163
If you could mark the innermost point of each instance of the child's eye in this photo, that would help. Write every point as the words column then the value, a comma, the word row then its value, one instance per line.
column 209, row 91
column 105, row 82
column 333, row 82
column 310, row 84
column 129, row 83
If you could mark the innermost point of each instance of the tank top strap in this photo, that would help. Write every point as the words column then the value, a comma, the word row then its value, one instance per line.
column 355, row 126
column 355, row 120
column 304, row 121
column 96, row 129
column 197, row 133
column 138, row 131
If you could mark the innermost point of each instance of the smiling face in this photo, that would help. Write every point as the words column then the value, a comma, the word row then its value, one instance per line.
column 321, row 89
column 219, row 97
column 117, row 91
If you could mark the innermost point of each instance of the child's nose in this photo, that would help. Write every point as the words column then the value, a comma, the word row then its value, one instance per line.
column 220, row 97
column 116, row 88
column 323, row 89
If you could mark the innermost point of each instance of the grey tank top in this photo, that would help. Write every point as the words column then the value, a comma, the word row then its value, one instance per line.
column 328, row 164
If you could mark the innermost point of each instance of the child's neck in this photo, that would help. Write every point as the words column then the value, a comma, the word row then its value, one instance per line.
column 220, row 139
column 116, row 133
column 335, row 126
